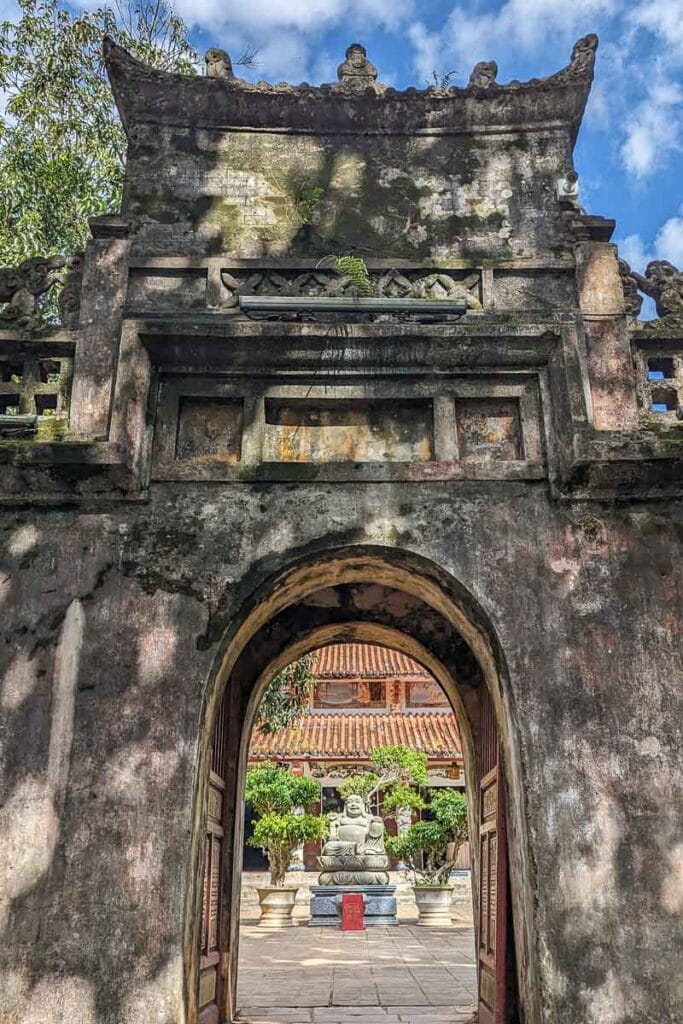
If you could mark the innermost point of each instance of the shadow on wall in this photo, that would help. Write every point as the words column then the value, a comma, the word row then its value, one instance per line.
column 29, row 820
column 92, row 732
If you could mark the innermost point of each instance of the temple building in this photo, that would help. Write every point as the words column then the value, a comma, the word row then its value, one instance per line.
column 364, row 696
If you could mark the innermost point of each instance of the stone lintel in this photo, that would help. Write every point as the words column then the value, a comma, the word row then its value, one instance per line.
column 205, row 263
column 59, row 343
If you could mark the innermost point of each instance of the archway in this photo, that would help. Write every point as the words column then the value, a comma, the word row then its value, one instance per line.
column 392, row 599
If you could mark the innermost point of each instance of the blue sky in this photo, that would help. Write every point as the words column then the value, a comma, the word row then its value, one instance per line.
column 630, row 148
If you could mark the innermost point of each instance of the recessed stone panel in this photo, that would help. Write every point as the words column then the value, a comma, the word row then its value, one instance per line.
column 348, row 430
column 166, row 289
column 534, row 289
column 489, row 429
column 209, row 430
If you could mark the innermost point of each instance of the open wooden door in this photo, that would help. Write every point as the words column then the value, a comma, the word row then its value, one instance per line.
column 496, row 1005
column 210, row 959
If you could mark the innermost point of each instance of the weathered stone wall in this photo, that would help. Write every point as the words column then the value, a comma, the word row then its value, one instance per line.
column 99, row 780
column 253, row 195
column 535, row 476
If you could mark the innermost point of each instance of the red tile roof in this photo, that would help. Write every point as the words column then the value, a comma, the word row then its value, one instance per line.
column 365, row 661
column 350, row 736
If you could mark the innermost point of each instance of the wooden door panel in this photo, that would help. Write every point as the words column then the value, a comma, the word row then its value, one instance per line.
column 210, row 959
column 493, row 880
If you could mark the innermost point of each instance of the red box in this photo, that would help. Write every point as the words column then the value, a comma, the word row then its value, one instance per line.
column 352, row 912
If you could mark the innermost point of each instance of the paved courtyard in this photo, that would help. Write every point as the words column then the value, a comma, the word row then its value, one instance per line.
column 400, row 975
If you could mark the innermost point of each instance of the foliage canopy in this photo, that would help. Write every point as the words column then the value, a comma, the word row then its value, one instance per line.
column 287, row 696
column 395, row 770
column 280, row 799
column 273, row 790
column 62, row 147
column 423, row 846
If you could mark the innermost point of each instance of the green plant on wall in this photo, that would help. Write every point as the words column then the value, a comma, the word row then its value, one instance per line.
column 280, row 800
column 354, row 268
column 307, row 201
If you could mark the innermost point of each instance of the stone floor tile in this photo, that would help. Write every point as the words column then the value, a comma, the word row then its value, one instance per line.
column 275, row 1015
column 402, row 975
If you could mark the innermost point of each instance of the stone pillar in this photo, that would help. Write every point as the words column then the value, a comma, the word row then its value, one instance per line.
column 105, row 283
column 608, row 345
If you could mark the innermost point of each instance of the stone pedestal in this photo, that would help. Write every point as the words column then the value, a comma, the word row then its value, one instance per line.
column 380, row 904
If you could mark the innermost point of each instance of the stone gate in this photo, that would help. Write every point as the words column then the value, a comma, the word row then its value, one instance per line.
column 242, row 443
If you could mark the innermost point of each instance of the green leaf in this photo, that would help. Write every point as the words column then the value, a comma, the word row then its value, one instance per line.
column 287, row 697
column 271, row 789
column 62, row 147
column 275, row 793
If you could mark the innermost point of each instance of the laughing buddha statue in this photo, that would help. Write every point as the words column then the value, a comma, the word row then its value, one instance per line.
column 354, row 853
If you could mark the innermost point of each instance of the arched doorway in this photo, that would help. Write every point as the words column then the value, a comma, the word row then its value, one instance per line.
column 402, row 602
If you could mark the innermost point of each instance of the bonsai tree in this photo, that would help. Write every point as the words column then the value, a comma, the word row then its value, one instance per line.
column 395, row 771
column 424, row 845
column 280, row 800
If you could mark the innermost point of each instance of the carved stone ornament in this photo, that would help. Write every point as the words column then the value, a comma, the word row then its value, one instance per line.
column 664, row 283
column 633, row 300
column 483, row 75
column 441, row 286
column 142, row 91
column 582, row 61
column 218, row 64
column 22, row 286
column 392, row 284
column 356, row 74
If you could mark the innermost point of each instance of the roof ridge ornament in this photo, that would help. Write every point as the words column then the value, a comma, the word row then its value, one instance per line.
column 219, row 65
column 358, row 101
column 483, row 75
column 356, row 73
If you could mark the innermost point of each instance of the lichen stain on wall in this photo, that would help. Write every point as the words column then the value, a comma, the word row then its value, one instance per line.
column 54, row 999
column 586, row 882
column 29, row 820
column 672, row 886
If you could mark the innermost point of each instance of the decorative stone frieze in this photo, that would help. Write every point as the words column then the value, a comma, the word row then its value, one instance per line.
column 396, row 284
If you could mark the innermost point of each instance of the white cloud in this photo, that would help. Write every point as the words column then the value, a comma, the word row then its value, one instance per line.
column 427, row 47
column 663, row 18
column 525, row 25
column 668, row 245
column 260, row 17
column 283, row 57
column 286, row 33
column 634, row 251
column 669, row 240
column 654, row 129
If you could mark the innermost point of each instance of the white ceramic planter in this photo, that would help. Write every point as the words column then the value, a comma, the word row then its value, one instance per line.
column 276, row 907
column 434, row 905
